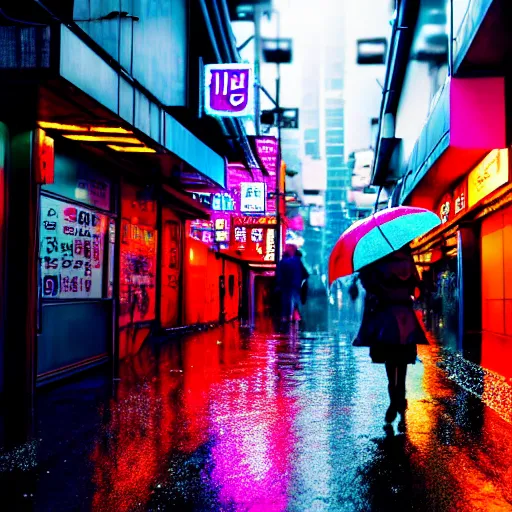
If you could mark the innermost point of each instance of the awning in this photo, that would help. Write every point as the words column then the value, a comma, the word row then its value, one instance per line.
column 57, row 53
column 186, row 205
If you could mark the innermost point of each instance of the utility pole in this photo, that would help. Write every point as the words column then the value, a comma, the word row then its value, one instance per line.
column 257, row 71
column 278, row 165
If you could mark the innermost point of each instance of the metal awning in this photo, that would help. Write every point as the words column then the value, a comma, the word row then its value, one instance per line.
column 55, row 52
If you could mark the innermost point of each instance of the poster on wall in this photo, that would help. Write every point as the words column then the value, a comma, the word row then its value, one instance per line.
column 137, row 279
column 72, row 242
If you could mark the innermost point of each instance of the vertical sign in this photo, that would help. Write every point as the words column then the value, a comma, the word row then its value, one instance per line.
column 44, row 158
column 266, row 150
column 229, row 90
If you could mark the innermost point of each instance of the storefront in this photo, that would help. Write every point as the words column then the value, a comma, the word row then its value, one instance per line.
column 77, row 244
column 441, row 275
column 466, row 265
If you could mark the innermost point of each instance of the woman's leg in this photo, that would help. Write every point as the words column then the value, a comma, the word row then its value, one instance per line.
column 391, row 371
column 401, row 374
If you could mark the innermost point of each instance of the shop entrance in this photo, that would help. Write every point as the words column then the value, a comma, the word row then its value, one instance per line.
column 76, row 271
column 261, row 293
column 440, row 281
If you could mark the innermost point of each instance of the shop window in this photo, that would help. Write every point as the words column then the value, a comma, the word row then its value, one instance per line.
column 72, row 247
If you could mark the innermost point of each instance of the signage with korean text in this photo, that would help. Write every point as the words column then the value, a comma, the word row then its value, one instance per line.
column 270, row 245
column 204, row 231
column 490, row 174
column 252, row 197
column 266, row 149
column 255, row 243
column 453, row 204
column 72, row 241
column 221, row 230
column 223, row 202
column 229, row 90
column 254, row 221
column 445, row 208
column 460, row 198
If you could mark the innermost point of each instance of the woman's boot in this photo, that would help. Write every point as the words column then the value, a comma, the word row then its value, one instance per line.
column 401, row 410
column 392, row 409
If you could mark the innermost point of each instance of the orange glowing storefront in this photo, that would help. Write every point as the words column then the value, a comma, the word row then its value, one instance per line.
column 473, row 251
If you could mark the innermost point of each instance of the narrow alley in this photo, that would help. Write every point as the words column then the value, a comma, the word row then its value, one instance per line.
column 232, row 420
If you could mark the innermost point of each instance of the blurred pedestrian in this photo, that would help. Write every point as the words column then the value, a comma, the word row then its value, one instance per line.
column 304, row 289
column 289, row 277
column 390, row 326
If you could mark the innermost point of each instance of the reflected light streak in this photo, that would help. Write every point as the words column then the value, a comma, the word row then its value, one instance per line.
column 131, row 149
column 77, row 128
column 102, row 138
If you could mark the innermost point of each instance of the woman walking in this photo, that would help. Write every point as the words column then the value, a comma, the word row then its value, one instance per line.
column 390, row 326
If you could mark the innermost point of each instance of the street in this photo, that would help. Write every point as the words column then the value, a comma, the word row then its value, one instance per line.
column 229, row 420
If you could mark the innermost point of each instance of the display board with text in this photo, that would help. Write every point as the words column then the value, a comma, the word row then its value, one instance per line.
column 72, row 242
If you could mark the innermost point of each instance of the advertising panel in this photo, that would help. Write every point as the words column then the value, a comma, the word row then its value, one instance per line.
column 490, row 174
column 72, row 243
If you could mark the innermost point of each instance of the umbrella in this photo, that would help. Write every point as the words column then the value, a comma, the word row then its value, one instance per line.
column 370, row 239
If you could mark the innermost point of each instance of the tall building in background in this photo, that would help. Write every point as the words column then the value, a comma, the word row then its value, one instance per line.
column 333, row 126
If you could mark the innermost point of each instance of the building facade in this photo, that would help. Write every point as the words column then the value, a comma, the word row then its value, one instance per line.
column 444, row 142
column 102, row 150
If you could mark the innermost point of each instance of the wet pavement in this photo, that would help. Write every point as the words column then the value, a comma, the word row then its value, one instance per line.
column 233, row 420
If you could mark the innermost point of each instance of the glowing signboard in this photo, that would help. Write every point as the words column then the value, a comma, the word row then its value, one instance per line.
column 270, row 245
column 72, row 243
column 202, row 230
column 445, row 209
column 252, row 197
column 229, row 90
column 241, row 234
column 223, row 202
column 490, row 174
column 460, row 196
column 267, row 150
column 221, row 230
column 254, row 221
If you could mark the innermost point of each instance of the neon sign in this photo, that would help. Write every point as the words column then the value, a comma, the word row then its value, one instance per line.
column 270, row 245
column 223, row 203
column 252, row 197
column 221, row 230
column 229, row 90
column 254, row 221
column 488, row 176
